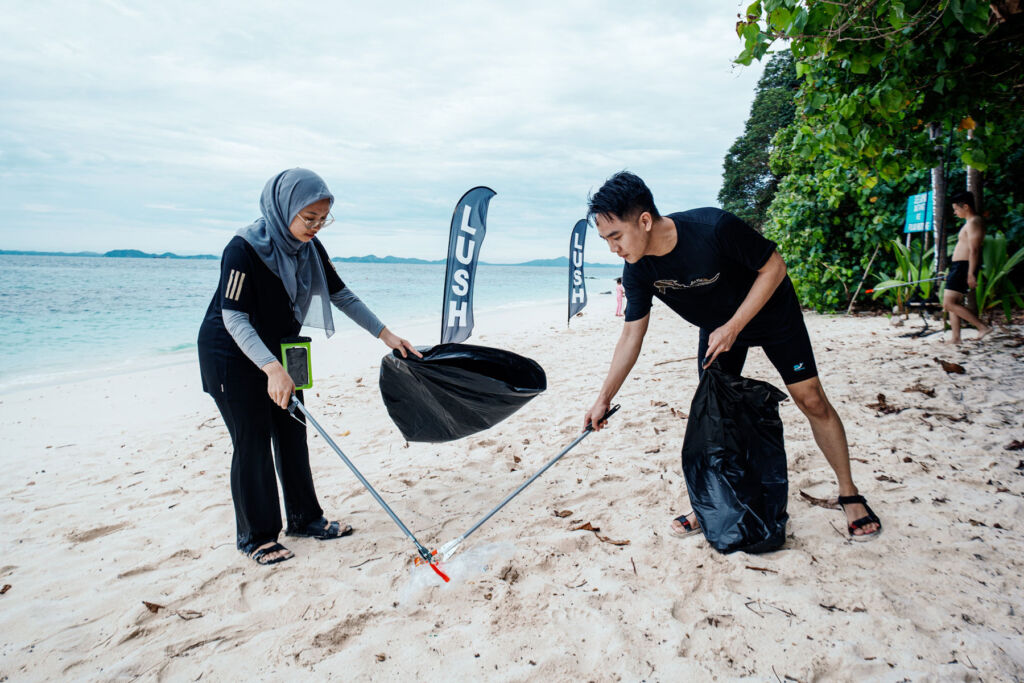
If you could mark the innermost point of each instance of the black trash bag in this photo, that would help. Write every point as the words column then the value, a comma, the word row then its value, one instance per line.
column 734, row 462
column 456, row 389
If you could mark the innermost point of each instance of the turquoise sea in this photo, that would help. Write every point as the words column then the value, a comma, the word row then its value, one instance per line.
column 64, row 316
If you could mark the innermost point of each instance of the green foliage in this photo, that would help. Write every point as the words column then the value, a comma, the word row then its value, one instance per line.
column 748, row 184
column 994, row 285
column 871, row 76
column 909, row 269
column 875, row 73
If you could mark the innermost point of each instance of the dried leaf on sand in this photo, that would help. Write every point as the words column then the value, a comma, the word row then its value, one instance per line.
column 950, row 367
column 827, row 503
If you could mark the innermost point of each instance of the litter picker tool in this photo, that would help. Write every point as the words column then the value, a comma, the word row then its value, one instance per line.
column 423, row 552
column 449, row 549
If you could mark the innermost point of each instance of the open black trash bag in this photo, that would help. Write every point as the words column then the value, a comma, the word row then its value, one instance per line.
column 456, row 389
column 734, row 462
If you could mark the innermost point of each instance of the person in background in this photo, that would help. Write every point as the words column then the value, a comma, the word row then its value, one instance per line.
column 275, row 277
column 620, row 294
column 964, row 266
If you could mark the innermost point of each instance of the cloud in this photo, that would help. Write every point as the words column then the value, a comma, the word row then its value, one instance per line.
column 152, row 119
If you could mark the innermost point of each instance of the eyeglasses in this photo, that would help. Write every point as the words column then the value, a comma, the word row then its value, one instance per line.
column 322, row 223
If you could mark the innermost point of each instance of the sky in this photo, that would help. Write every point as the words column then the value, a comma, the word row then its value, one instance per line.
column 154, row 126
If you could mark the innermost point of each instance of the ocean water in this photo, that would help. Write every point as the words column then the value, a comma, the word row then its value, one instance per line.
column 65, row 317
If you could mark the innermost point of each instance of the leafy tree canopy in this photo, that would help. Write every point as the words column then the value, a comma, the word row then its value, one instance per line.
column 748, row 184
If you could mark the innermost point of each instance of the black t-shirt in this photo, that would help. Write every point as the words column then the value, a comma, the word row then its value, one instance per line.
column 708, row 274
column 248, row 285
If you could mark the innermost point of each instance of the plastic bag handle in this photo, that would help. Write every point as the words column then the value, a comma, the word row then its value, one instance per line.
column 611, row 411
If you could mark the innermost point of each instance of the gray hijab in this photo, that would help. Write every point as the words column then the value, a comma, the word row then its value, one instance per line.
column 294, row 261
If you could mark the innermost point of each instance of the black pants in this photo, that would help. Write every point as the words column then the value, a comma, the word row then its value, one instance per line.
column 255, row 423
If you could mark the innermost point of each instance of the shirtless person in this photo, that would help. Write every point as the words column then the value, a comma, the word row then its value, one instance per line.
column 718, row 273
column 963, row 270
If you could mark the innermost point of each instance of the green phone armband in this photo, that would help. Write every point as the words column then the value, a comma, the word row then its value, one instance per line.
column 295, row 357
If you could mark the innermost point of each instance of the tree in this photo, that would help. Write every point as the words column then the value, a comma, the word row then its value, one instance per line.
column 748, row 184
column 876, row 72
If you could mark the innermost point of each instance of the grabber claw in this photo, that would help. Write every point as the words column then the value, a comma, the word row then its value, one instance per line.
column 419, row 559
column 449, row 549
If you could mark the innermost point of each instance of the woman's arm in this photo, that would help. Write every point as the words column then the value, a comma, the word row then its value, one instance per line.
column 351, row 305
column 279, row 384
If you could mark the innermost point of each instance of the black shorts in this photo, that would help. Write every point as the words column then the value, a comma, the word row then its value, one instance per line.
column 956, row 280
column 793, row 357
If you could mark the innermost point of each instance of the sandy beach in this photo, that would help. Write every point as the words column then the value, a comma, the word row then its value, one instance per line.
column 116, row 493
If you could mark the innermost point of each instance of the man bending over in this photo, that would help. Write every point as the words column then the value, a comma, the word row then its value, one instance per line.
column 719, row 274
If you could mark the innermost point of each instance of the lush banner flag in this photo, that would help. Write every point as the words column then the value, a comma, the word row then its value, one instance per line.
column 469, row 225
column 577, row 288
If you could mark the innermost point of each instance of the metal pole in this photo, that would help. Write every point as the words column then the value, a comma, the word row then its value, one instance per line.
column 449, row 548
column 424, row 553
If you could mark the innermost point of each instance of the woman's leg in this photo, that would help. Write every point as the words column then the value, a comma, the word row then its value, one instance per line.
column 291, row 455
column 253, row 486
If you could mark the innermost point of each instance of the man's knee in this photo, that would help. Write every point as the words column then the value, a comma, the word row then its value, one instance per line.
column 813, row 403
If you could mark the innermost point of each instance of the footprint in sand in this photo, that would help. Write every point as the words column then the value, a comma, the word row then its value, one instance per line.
column 175, row 559
column 77, row 537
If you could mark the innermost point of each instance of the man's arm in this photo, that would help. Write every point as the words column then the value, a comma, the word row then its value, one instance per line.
column 627, row 350
column 975, row 241
column 769, row 276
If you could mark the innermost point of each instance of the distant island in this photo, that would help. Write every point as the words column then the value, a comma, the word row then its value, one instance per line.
column 560, row 262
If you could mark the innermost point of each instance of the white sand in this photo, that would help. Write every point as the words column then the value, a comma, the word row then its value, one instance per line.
column 115, row 491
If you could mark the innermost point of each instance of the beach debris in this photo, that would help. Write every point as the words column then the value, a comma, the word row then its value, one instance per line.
column 381, row 657
column 188, row 614
column 1014, row 445
column 678, row 414
column 762, row 569
column 886, row 477
column 516, row 458
column 586, row 527
column 488, row 596
column 509, row 574
column 1020, row 465
column 827, row 503
column 883, row 406
column 152, row 606
column 345, row 433
column 656, row 449
column 562, row 513
column 634, row 567
column 654, row 404
column 950, row 368
column 831, row 608
column 927, row 391
column 6, row 588
column 605, row 539
column 940, row 501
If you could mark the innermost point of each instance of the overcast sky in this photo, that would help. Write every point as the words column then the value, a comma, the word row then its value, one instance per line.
column 155, row 125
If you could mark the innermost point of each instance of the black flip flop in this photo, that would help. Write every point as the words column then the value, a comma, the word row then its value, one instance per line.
column 690, row 529
column 260, row 556
column 321, row 530
column 871, row 517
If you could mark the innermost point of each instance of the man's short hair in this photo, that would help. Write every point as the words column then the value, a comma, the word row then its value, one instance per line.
column 624, row 196
column 964, row 198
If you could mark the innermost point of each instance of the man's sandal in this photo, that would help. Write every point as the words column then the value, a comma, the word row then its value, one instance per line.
column 870, row 518
column 690, row 530
column 260, row 556
column 321, row 530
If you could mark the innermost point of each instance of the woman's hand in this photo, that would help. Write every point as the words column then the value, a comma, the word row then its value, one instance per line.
column 280, row 386
column 393, row 341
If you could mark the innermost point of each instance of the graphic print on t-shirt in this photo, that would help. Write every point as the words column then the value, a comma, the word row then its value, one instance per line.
column 663, row 285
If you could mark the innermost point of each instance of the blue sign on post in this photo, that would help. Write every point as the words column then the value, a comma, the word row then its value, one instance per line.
column 919, row 213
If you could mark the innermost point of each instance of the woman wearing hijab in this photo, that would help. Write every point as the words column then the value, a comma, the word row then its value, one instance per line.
column 275, row 277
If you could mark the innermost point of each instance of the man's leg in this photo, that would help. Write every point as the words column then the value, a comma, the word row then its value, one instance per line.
column 830, row 435
column 953, row 303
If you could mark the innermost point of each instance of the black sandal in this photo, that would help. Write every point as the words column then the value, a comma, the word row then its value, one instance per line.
column 260, row 556
column 871, row 517
column 321, row 530
column 689, row 529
